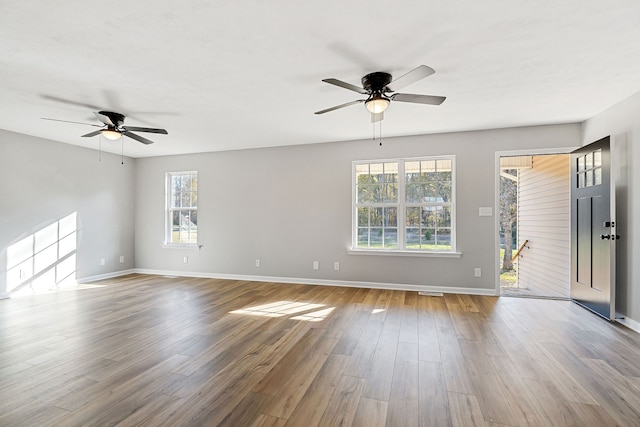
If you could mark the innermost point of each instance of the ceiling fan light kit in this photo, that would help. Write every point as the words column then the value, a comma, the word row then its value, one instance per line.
column 377, row 104
column 111, row 134
column 380, row 88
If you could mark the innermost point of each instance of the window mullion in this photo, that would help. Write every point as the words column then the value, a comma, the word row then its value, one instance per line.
column 401, row 211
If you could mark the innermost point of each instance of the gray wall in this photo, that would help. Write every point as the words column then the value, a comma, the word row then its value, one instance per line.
column 290, row 206
column 44, row 181
column 622, row 123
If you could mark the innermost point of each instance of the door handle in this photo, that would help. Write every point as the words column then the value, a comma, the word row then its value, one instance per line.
column 609, row 237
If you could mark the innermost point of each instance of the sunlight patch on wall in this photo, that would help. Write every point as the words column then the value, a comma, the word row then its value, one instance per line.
column 45, row 260
column 304, row 311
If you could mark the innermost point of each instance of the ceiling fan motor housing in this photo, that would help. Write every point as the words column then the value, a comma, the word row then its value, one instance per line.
column 116, row 118
column 376, row 82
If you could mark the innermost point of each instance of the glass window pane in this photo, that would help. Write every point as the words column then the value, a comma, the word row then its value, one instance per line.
column 444, row 217
column 362, row 169
column 443, row 239
column 589, row 160
column 376, row 217
column 363, row 217
column 361, row 193
column 390, row 217
column 589, row 182
column 428, row 166
column 413, row 238
column 375, row 236
column 364, row 179
column 430, row 191
column 413, row 193
column 363, row 237
column 597, row 180
column 412, row 167
column 581, row 180
column 597, row 158
column 428, row 238
column 175, row 227
column 444, row 165
column 391, row 172
column 186, row 199
column 580, row 163
column 376, row 169
column 392, row 193
column 391, row 238
column 444, row 191
column 429, row 216
column 379, row 193
column 413, row 217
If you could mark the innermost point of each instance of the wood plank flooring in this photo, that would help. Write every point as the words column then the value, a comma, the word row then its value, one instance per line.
column 157, row 351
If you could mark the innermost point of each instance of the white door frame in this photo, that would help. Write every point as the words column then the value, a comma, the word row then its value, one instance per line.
column 496, row 207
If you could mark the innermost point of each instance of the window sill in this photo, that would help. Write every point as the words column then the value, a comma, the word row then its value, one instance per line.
column 180, row 246
column 378, row 252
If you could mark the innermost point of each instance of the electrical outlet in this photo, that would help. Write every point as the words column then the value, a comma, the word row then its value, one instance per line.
column 257, row 263
column 477, row 272
column 316, row 265
column 102, row 261
column 185, row 259
column 121, row 259
column 336, row 266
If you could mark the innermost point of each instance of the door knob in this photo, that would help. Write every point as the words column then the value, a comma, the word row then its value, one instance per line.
column 605, row 236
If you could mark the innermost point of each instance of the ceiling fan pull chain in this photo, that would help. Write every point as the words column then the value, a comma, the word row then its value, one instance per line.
column 373, row 128
column 380, row 133
column 122, row 150
column 100, row 148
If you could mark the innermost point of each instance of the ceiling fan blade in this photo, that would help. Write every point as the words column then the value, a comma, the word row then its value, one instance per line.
column 69, row 121
column 411, row 77
column 150, row 130
column 377, row 117
column 70, row 102
column 105, row 119
column 137, row 137
column 346, row 85
column 90, row 134
column 339, row 106
column 418, row 99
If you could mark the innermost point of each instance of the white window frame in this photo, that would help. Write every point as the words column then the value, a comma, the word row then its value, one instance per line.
column 401, row 206
column 169, row 210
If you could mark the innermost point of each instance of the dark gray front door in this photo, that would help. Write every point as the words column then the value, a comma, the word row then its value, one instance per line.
column 593, row 229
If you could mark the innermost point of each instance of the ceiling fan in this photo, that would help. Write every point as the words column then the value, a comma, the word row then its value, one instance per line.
column 113, row 127
column 380, row 88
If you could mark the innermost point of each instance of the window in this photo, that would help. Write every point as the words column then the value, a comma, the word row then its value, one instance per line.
column 181, row 208
column 589, row 169
column 404, row 205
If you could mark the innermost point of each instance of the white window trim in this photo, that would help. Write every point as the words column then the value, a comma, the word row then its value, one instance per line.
column 168, row 211
column 401, row 212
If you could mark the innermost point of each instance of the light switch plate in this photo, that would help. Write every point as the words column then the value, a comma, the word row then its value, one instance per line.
column 485, row 211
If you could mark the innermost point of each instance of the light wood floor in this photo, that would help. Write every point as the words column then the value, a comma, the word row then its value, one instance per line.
column 156, row 351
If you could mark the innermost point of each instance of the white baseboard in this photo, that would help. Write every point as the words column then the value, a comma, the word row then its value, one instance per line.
column 325, row 282
column 629, row 323
column 105, row 276
column 4, row 295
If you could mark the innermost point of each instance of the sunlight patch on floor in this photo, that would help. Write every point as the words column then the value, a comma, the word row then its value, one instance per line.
column 303, row 310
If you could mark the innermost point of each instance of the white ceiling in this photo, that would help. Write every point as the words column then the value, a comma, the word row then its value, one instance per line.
column 234, row 75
